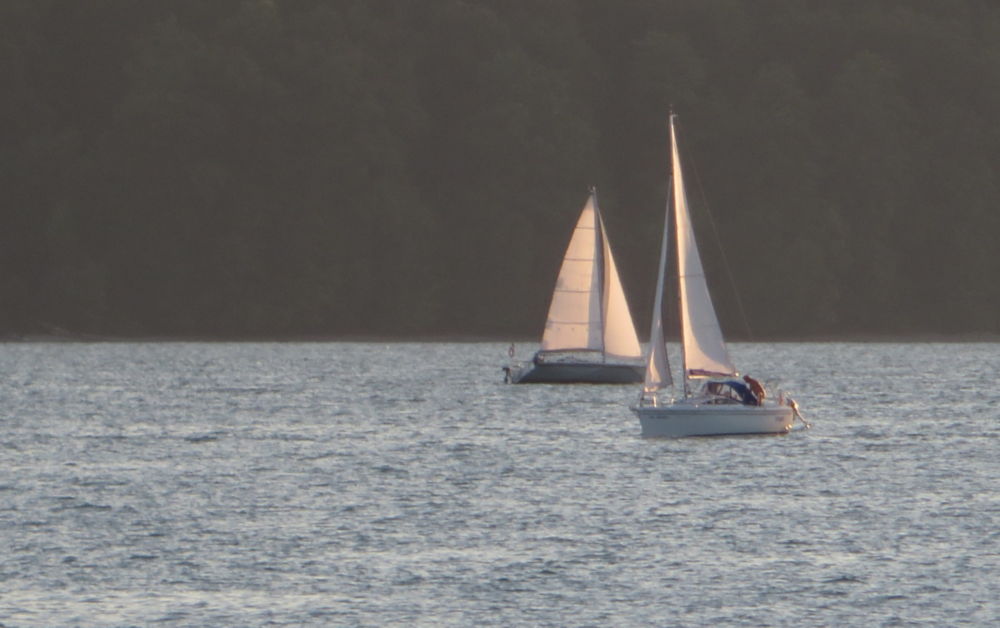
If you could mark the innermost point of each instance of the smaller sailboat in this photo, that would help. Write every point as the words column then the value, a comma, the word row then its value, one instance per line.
column 589, row 335
column 723, row 403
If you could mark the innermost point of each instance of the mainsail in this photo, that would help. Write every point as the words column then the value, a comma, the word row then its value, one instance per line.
column 705, row 352
column 588, row 309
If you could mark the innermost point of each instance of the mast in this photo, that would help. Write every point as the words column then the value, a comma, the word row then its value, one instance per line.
column 599, row 268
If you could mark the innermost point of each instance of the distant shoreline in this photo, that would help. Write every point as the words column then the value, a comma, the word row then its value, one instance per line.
column 471, row 339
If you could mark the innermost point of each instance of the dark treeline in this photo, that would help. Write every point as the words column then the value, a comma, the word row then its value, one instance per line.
column 241, row 168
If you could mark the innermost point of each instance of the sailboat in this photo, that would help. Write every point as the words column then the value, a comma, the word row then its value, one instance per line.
column 715, row 400
column 589, row 335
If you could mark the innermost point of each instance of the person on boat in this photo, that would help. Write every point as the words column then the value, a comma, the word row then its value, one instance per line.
column 732, row 389
column 744, row 393
column 756, row 389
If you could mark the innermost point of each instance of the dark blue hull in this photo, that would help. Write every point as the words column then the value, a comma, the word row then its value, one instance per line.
column 577, row 373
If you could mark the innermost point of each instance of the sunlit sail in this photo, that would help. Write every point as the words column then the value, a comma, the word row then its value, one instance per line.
column 723, row 404
column 589, row 334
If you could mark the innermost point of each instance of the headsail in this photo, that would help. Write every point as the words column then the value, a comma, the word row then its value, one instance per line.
column 657, row 365
column 705, row 351
column 589, row 335
column 620, row 339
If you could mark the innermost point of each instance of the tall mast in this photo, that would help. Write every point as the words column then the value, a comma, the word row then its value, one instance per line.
column 599, row 267
column 675, row 171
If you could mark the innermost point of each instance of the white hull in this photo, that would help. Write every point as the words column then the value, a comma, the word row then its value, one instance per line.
column 725, row 405
column 692, row 419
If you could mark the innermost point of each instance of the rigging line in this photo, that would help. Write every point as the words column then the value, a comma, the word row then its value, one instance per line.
column 718, row 243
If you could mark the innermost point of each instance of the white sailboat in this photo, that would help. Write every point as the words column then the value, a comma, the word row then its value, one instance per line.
column 589, row 335
column 723, row 403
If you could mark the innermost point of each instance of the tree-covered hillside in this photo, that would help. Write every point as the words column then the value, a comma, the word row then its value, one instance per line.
column 275, row 168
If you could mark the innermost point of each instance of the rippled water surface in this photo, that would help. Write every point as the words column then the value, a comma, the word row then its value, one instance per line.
column 404, row 484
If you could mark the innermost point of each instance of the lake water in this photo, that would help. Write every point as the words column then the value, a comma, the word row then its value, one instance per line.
column 360, row 484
